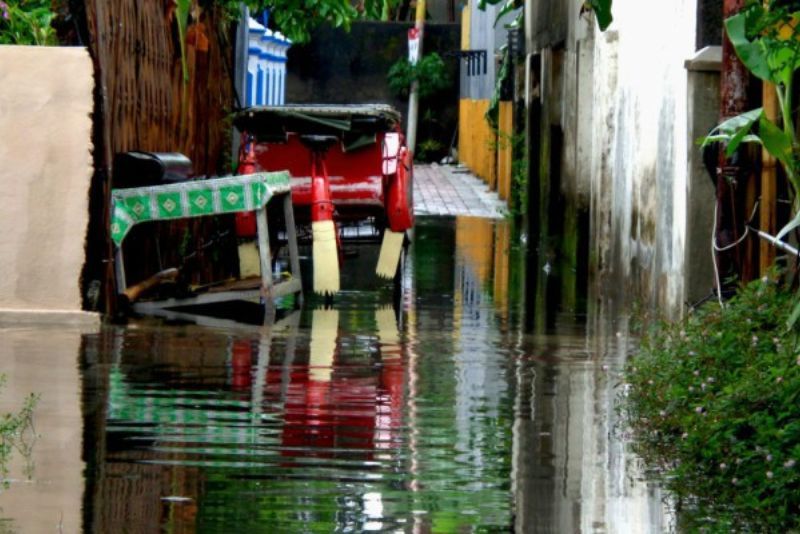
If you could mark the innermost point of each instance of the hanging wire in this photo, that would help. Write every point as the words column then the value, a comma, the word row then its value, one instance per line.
column 716, row 248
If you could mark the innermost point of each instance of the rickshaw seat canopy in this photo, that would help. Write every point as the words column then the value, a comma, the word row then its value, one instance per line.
column 216, row 196
column 355, row 124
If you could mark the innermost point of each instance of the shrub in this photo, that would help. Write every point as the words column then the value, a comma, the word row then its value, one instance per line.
column 26, row 22
column 713, row 405
column 430, row 72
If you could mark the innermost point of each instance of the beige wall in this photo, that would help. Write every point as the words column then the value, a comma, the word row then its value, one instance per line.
column 45, row 172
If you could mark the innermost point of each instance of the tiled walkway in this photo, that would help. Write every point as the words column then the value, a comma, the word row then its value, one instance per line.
column 450, row 190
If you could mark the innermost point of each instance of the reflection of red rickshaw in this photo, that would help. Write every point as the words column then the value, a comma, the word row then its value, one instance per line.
column 331, row 403
column 349, row 166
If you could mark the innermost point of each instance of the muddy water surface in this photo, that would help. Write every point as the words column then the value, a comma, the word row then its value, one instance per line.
column 437, row 416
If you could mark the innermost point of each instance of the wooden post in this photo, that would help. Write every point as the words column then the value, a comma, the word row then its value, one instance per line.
column 119, row 268
column 291, row 238
column 265, row 261
column 769, row 195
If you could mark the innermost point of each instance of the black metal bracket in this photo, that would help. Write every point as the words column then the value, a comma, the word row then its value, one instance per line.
column 476, row 60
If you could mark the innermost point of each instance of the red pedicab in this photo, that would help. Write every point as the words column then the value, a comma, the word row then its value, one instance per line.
column 349, row 166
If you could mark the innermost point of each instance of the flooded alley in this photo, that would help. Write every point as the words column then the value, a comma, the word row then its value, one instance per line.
column 434, row 415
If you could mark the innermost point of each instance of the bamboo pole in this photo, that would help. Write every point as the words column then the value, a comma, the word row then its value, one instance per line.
column 769, row 175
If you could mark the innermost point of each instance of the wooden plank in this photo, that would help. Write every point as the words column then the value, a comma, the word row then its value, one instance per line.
column 288, row 287
column 148, row 307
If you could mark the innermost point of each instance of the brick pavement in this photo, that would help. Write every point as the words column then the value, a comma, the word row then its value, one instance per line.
column 452, row 190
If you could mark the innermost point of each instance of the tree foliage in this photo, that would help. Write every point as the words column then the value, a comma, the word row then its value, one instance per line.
column 297, row 18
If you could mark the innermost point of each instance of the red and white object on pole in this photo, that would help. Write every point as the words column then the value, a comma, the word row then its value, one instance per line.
column 413, row 45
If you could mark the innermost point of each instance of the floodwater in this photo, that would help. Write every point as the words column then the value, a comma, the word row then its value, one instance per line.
column 443, row 417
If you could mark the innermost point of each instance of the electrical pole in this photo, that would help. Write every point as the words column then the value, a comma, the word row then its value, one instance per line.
column 413, row 98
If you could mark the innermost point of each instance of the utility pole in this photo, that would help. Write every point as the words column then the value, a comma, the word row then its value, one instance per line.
column 413, row 98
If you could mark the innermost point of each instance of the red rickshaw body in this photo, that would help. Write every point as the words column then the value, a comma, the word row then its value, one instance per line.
column 356, row 180
column 368, row 166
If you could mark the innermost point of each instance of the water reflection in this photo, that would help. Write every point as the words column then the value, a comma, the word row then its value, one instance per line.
column 344, row 420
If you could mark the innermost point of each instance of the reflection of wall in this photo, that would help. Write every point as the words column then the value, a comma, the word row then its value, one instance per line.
column 45, row 363
column 572, row 470
column 483, row 247
column 45, row 171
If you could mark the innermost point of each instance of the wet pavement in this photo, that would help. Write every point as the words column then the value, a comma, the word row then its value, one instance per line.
column 453, row 190
column 435, row 415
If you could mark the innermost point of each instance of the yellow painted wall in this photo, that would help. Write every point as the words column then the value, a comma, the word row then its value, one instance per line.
column 504, row 150
column 476, row 140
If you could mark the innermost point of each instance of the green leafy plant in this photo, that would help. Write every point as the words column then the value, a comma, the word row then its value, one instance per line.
column 767, row 41
column 26, row 22
column 519, row 175
column 376, row 9
column 713, row 405
column 297, row 18
column 508, row 7
column 183, row 8
column 601, row 10
column 429, row 72
column 429, row 150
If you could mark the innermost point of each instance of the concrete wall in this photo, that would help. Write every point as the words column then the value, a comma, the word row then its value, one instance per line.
column 342, row 67
column 45, row 169
column 615, row 107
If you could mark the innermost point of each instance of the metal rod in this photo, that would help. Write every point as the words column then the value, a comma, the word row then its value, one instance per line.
column 786, row 247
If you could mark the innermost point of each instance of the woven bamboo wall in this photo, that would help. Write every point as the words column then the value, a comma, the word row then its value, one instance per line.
column 150, row 107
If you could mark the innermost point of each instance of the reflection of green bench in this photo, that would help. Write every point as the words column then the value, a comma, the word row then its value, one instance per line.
column 217, row 196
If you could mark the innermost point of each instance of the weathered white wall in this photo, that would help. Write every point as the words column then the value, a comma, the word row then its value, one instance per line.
column 620, row 98
column 45, row 172
column 640, row 148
